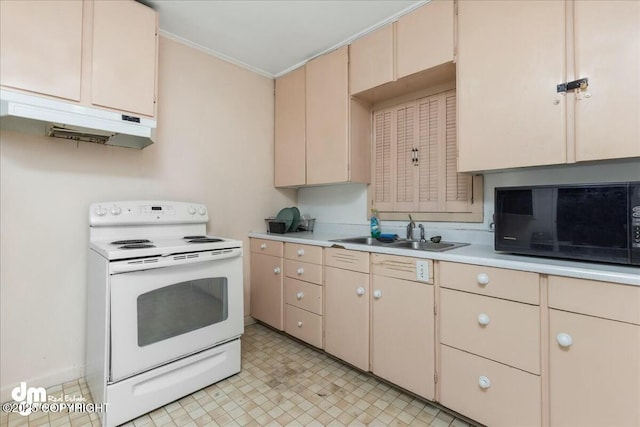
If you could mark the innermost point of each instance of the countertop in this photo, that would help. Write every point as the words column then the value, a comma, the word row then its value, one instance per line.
column 480, row 255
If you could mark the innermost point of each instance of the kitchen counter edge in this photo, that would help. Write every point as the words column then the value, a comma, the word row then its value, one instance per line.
column 478, row 255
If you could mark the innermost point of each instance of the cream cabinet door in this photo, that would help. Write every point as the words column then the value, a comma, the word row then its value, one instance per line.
column 425, row 38
column 402, row 343
column 328, row 118
column 371, row 60
column 511, row 56
column 41, row 47
column 594, row 371
column 290, row 130
column 607, row 52
column 346, row 316
column 124, row 63
column 267, row 297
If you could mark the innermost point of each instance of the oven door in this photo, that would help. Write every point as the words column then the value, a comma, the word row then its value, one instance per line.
column 163, row 314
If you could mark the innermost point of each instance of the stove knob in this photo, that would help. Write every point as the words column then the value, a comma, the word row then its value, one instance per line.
column 191, row 210
column 116, row 210
column 202, row 210
column 100, row 211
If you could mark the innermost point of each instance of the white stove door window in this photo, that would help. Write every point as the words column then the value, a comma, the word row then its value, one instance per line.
column 163, row 314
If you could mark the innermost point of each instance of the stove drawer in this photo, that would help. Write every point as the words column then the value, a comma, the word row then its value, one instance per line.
column 303, row 325
column 267, row 247
column 306, row 296
column 303, row 271
column 306, row 253
column 489, row 392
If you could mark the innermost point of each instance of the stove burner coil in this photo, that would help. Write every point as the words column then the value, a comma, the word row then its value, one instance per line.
column 131, row 241
column 137, row 246
column 205, row 240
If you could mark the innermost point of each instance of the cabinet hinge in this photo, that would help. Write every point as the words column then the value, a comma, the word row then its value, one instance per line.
column 435, row 309
column 576, row 84
column 435, row 377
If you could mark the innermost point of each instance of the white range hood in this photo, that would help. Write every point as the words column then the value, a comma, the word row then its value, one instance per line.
column 44, row 116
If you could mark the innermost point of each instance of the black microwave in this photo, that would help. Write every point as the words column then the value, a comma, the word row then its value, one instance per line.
column 591, row 222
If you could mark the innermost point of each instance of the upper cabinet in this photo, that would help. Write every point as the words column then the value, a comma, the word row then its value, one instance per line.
column 124, row 59
column 101, row 53
column 290, row 130
column 510, row 113
column 399, row 58
column 425, row 38
column 41, row 47
column 335, row 137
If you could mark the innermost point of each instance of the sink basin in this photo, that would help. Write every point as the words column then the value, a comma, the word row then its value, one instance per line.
column 427, row 246
column 361, row 241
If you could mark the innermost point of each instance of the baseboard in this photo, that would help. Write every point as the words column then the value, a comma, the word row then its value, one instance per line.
column 248, row 320
column 46, row 381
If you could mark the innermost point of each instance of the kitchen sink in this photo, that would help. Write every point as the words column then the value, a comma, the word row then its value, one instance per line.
column 371, row 241
column 403, row 244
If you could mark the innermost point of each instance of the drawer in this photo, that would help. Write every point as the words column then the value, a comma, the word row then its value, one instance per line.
column 306, row 296
column 401, row 267
column 496, row 282
column 267, row 247
column 346, row 259
column 501, row 330
column 587, row 296
column 306, row 253
column 487, row 391
column 303, row 271
column 303, row 325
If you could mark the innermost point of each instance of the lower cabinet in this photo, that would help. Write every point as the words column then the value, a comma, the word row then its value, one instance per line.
column 266, row 282
column 594, row 362
column 402, row 324
column 303, row 292
column 347, row 301
column 489, row 392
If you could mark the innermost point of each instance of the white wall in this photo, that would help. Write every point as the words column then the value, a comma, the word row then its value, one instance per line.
column 215, row 146
column 347, row 203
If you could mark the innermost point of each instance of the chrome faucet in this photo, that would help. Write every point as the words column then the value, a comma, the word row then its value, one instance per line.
column 410, row 227
column 422, row 238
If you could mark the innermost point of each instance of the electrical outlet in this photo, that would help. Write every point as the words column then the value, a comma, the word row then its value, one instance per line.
column 422, row 271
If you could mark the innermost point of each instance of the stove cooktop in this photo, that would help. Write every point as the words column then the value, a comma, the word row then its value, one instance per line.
column 139, row 248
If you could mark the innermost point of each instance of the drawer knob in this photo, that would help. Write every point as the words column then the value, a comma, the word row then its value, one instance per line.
column 299, row 324
column 564, row 340
column 483, row 319
column 263, row 246
column 377, row 294
column 484, row 382
column 300, row 295
column 300, row 271
column 483, row 279
column 276, row 270
column 360, row 291
column 300, row 252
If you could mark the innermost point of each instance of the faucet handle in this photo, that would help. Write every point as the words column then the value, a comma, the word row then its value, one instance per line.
column 422, row 238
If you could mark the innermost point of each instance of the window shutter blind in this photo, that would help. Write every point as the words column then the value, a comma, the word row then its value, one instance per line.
column 383, row 199
column 405, row 143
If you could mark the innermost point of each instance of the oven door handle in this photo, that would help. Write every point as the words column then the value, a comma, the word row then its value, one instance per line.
column 170, row 260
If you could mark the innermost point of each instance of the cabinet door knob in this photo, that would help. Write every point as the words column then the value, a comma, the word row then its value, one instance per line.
column 484, row 382
column 360, row 291
column 483, row 319
column 564, row 340
column 300, row 271
column 377, row 294
column 483, row 279
column 299, row 324
column 300, row 295
column 276, row 270
column 300, row 252
column 263, row 246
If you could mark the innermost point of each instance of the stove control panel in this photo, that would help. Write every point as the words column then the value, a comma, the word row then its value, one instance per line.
column 146, row 212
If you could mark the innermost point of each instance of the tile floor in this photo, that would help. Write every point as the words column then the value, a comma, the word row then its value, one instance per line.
column 282, row 383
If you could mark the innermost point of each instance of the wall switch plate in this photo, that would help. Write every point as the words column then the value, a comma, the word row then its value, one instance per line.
column 422, row 271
